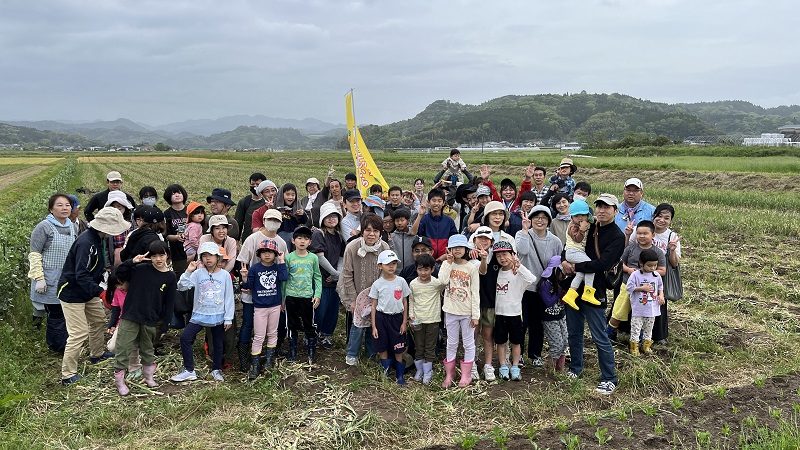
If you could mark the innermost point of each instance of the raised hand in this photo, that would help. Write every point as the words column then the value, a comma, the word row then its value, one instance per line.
column 526, row 223
column 139, row 258
column 192, row 266
column 529, row 171
column 485, row 172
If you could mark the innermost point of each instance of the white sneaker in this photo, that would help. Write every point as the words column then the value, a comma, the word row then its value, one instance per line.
column 474, row 373
column 351, row 360
column 606, row 388
column 488, row 372
column 186, row 375
column 217, row 375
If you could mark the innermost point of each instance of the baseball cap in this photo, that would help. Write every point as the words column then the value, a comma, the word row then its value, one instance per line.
column 483, row 231
column 273, row 214
column 150, row 214
column 608, row 199
column 634, row 182
column 387, row 256
column 502, row 246
column 482, row 190
column 312, row 180
column 217, row 220
column 114, row 176
column 352, row 194
column 424, row 240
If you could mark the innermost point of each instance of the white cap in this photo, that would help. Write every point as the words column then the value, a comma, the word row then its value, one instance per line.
column 387, row 256
column 114, row 176
column 635, row 182
column 217, row 220
column 209, row 247
column 119, row 197
column 312, row 180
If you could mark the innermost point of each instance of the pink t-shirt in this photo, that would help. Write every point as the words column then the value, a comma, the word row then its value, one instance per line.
column 119, row 300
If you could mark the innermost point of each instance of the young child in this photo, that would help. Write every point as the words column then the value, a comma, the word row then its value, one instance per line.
column 512, row 281
column 554, row 317
column 362, row 320
column 461, row 307
column 328, row 245
column 389, row 297
column 213, row 308
column 562, row 181
column 482, row 239
column 453, row 166
column 434, row 224
column 576, row 252
column 401, row 239
column 118, row 294
column 196, row 214
column 303, row 291
column 424, row 311
column 150, row 298
column 646, row 291
column 264, row 280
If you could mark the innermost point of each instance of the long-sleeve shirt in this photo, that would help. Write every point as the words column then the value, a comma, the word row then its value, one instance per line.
column 611, row 242
column 230, row 249
column 514, row 204
column 358, row 273
column 213, row 296
column 305, row 279
column 510, row 287
column 462, row 296
column 98, row 201
column 151, row 293
column 265, row 284
column 438, row 229
column 529, row 243
column 426, row 302
column 193, row 232
column 83, row 269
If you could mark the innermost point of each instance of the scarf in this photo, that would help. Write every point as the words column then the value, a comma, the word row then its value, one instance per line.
column 564, row 217
column 52, row 219
column 364, row 249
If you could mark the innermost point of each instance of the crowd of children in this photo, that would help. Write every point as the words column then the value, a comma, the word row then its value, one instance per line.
column 434, row 274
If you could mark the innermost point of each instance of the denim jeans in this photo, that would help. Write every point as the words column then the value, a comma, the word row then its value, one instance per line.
column 187, row 341
column 327, row 313
column 246, row 330
column 596, row 319
column 354, row 341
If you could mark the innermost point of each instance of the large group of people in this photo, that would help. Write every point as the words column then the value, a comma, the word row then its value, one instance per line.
column 458, row 270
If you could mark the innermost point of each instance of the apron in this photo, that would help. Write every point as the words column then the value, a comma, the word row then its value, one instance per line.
column 52, row 263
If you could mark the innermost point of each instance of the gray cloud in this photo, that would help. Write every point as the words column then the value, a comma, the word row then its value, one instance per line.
column 157, row 62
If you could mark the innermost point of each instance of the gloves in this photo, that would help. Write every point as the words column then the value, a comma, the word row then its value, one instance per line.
column 36, row 271
column 41, row 286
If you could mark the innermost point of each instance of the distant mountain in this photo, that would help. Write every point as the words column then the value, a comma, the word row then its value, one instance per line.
column 10, row 134
column 72, row 126
column 207, row 127
column 585, row 117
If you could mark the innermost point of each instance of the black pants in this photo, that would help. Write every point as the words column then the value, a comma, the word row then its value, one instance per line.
column 661, row 326
column 532, row 315
column 56, row 331
column 300, row 316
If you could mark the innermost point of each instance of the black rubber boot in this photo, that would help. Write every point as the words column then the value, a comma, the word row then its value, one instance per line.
column 255, row 369
column 269, row 358
column 292, row 348
column 244, row 356
column 312, row 349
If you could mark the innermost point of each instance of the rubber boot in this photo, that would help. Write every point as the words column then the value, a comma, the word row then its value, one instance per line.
column 292, row 356
column 634, row 346
column 243, row 349
column 449, row 373
column 255, row 367
column 466, row 373
column 148, row 374
column 427, row 369
column 400, row 368
column 646, row 344
column 269, row 358
column 418, row 363
column 119, row 381
column 560, row 363
column 588, row 295
column 386, row 364
column 570, row 297
column 311, row 348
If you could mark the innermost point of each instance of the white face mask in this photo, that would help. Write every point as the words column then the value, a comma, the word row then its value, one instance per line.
column 149, row 201
column 578, row 197
column 271, row 225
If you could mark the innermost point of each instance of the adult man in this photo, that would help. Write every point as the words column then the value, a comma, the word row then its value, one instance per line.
column 221, row 202
column 79, row 290
column 98, row 200
column 312, row 202
column 633, row 209
column 538, row 187
column 421, row 245
column 610, row 242
column 268, row 192
column 350, row 181
column 351, row 222
column 244, row 212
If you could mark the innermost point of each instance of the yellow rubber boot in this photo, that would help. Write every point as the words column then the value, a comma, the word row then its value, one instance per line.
column 570, row 297
column 646, row 347
column 588, row 295
column 634, row 348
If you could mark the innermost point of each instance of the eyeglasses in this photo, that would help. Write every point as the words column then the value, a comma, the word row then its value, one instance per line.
column 420, row 250
column 539, row 218
column 633, row 189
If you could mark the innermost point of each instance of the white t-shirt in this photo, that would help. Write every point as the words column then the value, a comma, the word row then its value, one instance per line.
column 510, row 288
column 390, row 294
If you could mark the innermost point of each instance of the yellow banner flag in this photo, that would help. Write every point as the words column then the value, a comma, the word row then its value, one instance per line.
column 366, row 170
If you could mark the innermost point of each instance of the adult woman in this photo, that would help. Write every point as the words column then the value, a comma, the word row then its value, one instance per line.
column 670, row 243
column 118, row 200
column 561, row 216
column 51, row 240
column 175, row 220
column 419, row 190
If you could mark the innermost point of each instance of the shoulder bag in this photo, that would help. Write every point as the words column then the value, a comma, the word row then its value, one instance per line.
column 673, row 285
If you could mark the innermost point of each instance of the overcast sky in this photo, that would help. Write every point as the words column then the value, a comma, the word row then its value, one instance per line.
column 165, row 61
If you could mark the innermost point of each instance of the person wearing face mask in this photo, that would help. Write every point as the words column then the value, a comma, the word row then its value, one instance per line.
column 582, row 192
column 244, row 208
column 148, row 196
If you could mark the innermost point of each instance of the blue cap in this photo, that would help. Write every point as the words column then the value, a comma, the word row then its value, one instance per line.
column 578, row 207
column 458, row 240
column 73, row 201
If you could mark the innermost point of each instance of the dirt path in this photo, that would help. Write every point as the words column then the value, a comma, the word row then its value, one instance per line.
column 15, row 177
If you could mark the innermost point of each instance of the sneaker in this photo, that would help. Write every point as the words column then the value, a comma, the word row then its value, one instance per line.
column 488, row 372
column 326, row 343
column 103, row 357
column 351, row 360
column 536, row 362
column 185, row 375
column 134, row 375
column 217, row 375
column 572, row 375
column 606, row 388
column 71, row 380
column 515, row 374
column 521, row 361
column 504, row 372
column 474, row 373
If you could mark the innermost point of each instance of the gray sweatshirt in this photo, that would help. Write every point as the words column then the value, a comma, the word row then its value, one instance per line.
column 548, row 247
